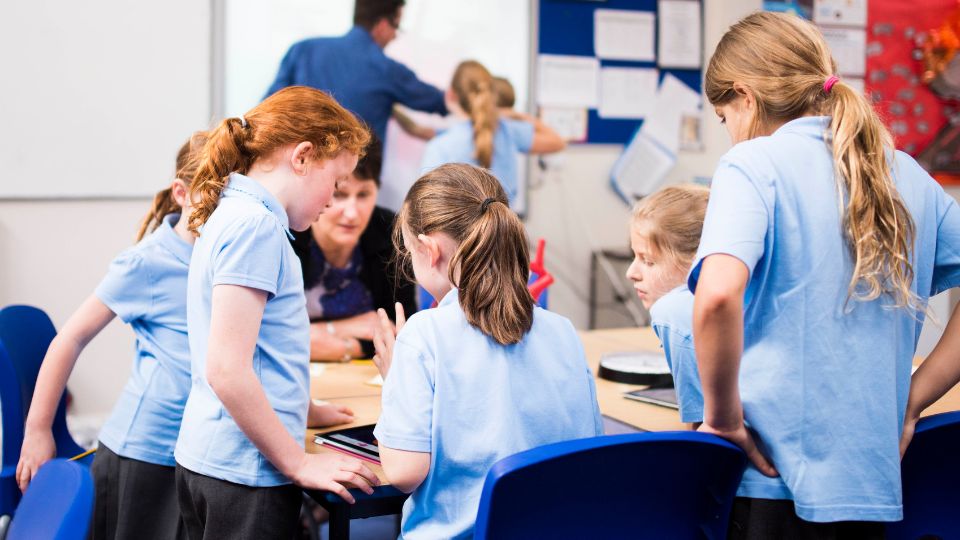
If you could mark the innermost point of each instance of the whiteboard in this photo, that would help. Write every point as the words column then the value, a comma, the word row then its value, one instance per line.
column 97, row 97
column 435, row 35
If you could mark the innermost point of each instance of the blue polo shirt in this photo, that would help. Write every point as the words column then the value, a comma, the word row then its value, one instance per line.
column 469, row 401
column 672, row 320
column 244, row 242
column 146, row 287
column 455, row 145
column 823, row 380
column 357, row 73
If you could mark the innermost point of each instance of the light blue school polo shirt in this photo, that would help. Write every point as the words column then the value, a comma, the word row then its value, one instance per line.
column 469, row 401
column 455, row 145
column 146, row 287
column 672, row 320
column 244, row 242
column 823, row 381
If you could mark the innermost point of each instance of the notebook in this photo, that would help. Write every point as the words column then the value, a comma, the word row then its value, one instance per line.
column 357, row 441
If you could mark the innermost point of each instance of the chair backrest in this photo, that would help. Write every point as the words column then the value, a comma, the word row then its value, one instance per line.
column 11, row 411
column 26, row 333
column 931, row 474
column 58, row 504
column 641, row 485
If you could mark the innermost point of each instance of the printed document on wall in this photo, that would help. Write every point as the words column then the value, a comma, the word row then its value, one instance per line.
column 849, row 48
column 675, row 100
column 679, row 34
column 624, row 35
column 626, row 92
column 568, row 81
column 641, row 169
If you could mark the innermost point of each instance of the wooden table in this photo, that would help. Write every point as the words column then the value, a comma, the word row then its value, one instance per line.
column 346, row 384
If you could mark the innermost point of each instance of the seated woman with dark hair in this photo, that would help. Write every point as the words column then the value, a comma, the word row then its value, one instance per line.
column 347, row 258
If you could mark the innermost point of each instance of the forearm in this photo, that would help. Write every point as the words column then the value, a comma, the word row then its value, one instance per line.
column 243, row 397
column 718, row 338
column 939, row 372
column 51, row 381
column 327, row 346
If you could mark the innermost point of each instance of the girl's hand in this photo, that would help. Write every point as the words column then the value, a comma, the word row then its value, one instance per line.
column 742, row 437
column 334, row 473
column 322, row 414
column 38, row 448
column 385, row 337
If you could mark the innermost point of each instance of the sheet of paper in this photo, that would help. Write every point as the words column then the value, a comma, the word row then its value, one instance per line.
column 679, row 34
column 674, row 101
column 849, row 48
column 641, row 169
column 568, row 81
column 623, row 35
column 626, row 92
column 840, row 12
column 569, row 122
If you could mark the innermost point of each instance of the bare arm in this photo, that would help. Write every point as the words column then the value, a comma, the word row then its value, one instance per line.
column 545, row 139
column 936, row 375
column 38, row 445
column 325, row 346
column 234, row 325
column 412, row 128
column 718, row 338
column 405, row 470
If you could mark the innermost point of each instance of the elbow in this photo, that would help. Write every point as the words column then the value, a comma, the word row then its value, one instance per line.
column 713, row 303
column 217, row 378
column 404, row 482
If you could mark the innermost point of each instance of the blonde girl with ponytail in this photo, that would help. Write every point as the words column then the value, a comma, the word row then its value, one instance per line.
column 820, row 248
column 486, row 139
column 240, row 457
column 484, row 375
column 145, row 287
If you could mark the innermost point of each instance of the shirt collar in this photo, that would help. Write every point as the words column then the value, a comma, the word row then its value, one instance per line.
column 170, row 240
column 811, row 126
column 361, row 33
column 449, row 298
column 243, row 186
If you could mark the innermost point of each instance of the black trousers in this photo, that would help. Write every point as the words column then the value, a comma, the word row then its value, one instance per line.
column 133, row 499
column 213, row 509
column 762, row 519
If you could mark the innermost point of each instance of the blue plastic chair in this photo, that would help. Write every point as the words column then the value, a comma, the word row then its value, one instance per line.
column 58, row 504
column 673, row 485
column 25, row 335
column 931, row 475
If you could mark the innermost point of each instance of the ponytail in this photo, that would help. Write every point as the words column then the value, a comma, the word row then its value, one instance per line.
column 473, row 85
column 796, row 78
column 491, row 265
column 290, row 116
column 163, row 202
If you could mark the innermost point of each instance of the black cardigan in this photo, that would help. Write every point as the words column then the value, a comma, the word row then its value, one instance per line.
column 378, row 272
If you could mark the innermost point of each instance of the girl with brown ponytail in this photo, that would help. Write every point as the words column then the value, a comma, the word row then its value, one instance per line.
column 145, row 287
column 240, row 449
column 486, row 139
column 484, row 375
column 820, row 248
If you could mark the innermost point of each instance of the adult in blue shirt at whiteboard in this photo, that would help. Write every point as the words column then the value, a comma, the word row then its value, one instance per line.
column 354, row 69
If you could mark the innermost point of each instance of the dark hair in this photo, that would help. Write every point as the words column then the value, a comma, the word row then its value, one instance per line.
column 369, row 166
column 492, row 261
column 188, row 158
column 506, row 97
column 367, row 13
column 292, row 115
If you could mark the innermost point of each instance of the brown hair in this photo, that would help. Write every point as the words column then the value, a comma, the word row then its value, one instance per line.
column 491, row 265
column 672, row 220
column 188, row 158
column 784, row 62
column 292, row 115
column 506, row 97
column 473, row 85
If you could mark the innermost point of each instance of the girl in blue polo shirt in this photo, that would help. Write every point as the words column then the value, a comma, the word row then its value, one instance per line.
column 486, row 139
column 664, row 235
column 241, row 449
column 820, row 249
column 484, row 375
column 146, row 287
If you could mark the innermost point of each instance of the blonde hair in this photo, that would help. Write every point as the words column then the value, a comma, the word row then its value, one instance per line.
column 188, row 158
column 491, row 265
column 672, row 221
column 473, row 86
column 292, row 115
column 784, row 62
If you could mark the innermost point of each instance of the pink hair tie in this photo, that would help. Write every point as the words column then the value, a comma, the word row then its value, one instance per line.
column 828, row 84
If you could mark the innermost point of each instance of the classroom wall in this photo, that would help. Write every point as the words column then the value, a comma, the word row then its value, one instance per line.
column 54, row 252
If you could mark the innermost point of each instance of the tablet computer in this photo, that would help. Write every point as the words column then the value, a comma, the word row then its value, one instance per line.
column 664, row 397
column 357, row 441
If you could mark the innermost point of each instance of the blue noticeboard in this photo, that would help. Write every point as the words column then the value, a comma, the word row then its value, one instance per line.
column 566, row 27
